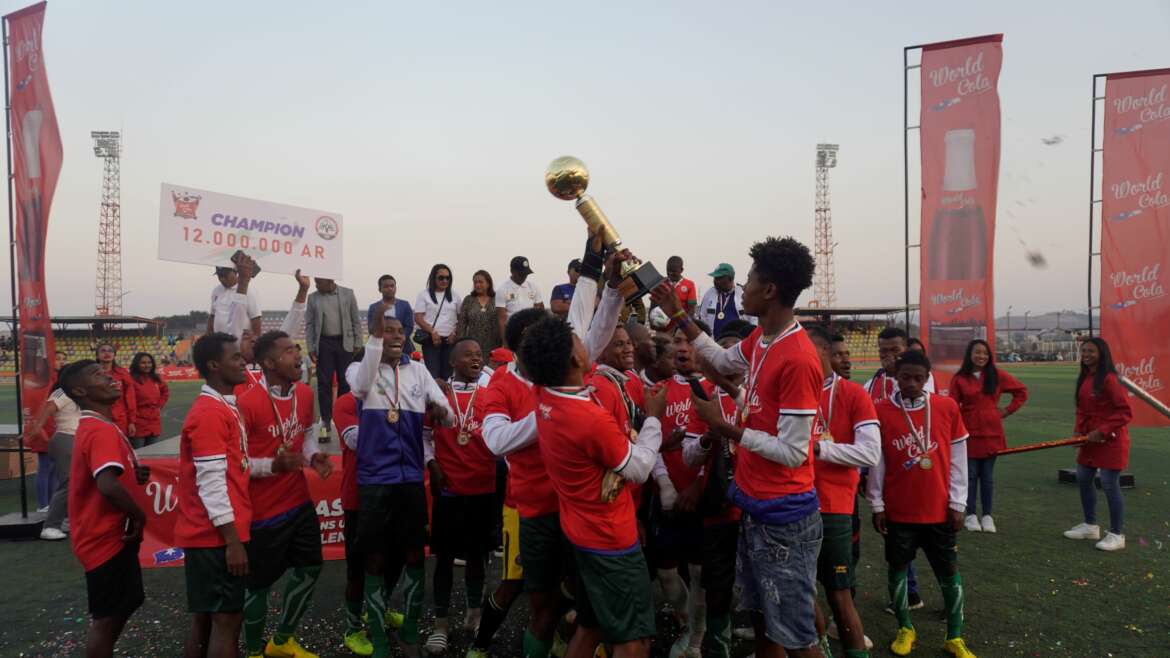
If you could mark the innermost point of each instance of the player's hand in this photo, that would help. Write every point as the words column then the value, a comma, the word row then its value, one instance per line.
column 1096, row 437
column 244, row 269
column 663, row 296
column 879, row 522
column 301, row 279
column 237, row 559
column 956, row 520
column 322, row 464
column 709, row 411
column 142, row 474
column 134, row 527
column 438, row 477
column 288, row 461
column 674, row 440
column 688, row 500
column 613, row 266
column 130, row 429
column 313, row 357
column 656, row 402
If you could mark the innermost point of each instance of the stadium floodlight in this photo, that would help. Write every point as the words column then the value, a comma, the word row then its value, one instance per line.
column 106, row 143
column 827, row 155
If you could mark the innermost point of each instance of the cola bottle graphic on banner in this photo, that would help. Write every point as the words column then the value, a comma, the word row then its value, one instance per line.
column 958, row 235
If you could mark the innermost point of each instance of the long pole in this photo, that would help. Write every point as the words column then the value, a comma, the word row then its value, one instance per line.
column 12, row 281
column 1092, row 199
column 906, row 177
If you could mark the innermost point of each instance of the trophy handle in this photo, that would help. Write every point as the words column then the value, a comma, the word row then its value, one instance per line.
column 598, row 223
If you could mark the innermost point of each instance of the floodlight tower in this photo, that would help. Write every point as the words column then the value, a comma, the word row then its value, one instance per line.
column 824, row 280
column 107, row 145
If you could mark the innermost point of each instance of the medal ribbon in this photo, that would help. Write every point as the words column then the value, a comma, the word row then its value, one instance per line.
column 921, row 439
column 460, row 414
column 827, row 418
column 285, row 440
column 384, row 390
column 214, row 394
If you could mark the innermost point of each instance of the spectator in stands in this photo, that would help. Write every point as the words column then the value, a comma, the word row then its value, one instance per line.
column 477, row 314
column 150, row 395
column 388, row 286
column 435, row 315
column 65, row 415
column 562, row 294
column 224, row 294
column 124, row 409
column 333, row 332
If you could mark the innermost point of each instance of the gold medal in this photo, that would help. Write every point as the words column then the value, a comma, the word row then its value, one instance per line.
column 827, row 436
column 926, row 464
column 743, row 415
column 720, row 315
column 463, row 439
column 244, row 464
column 392, row 416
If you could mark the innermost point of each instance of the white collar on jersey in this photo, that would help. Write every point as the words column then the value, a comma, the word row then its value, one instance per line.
column 230, row 399
column 515, row 372
column 687, row 380
column 910, row 405
column 829, row 381
column 462, row 387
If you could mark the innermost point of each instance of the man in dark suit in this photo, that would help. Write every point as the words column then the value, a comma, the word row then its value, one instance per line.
column 333, row 333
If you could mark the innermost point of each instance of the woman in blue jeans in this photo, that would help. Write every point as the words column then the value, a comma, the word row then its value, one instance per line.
column 1103, row 412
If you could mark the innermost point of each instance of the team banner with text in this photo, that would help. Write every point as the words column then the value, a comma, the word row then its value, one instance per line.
column 207, row 228
column 160, row 498
column 1135, row 232
column 36, row 163
column 959, row 131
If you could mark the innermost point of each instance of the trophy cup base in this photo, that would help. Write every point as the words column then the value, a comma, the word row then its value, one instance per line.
column 639, row 282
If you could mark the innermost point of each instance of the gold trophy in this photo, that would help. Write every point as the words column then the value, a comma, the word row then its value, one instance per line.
column 566, row 179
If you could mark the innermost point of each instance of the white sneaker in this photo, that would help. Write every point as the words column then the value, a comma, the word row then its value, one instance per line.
column 1083, row 531
column 52, row 534
column 1112, row 542
column 988, row 523
column 972, row 523
column 831, row 631
column 744, row 633
column 460, row 562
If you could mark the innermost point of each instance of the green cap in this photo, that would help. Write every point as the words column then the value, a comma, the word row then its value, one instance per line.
column 724, row 269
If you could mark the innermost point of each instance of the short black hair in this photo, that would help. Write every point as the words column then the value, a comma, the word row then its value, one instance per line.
column 911, row 342
column 518, row 324
column 546, row 350
column 209, row 348
column 894, row 332
column 912, row 358
column 265, row 344
column 817, row 332
column 674, row 259
column 838, row 338
column 384, row 277
column 67, row 378
column 786, row 264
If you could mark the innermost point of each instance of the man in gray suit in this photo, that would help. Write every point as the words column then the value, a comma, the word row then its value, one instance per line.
column 333, row 332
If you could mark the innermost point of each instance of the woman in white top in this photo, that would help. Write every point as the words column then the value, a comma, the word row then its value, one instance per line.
column 436, row 310
column 66, row 415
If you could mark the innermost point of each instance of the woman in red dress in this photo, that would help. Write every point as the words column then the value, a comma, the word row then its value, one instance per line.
column 123, row 409
column 1103, row 412
column 151, row 395
column 977, row 388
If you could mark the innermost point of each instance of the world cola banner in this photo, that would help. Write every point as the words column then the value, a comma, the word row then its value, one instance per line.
column 959, row 131
column 1135, row 231
column 160, row 498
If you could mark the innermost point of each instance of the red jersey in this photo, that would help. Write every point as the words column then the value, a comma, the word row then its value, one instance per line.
column 469, row 466
column 912, row 492
column 212, row 431
column 97, row 525
column 981, row 413
column 1109, row 412
column 345, row 417
column 276, row 424
column 784, row 378
column 150, row 397
column 529, row 489
column 844, row 407
column 582, row 442
column 613, row 401
column 686, row 292
column 680, row 415
column 123, row 410
column 255, row 378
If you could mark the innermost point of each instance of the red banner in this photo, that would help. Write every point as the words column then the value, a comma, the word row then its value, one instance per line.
column 159, row 499
column 959, row 131
column 1135, row 232
column 36, row 162
column 179, row 373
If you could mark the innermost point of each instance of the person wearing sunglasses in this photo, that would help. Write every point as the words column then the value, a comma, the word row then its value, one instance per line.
column 435, row 316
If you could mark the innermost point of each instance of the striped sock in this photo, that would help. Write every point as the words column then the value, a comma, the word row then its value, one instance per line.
column 898, row 597
column 412, row 601
column 255, row 616
column 375, row 587
column 297, row 594
column 953, row 598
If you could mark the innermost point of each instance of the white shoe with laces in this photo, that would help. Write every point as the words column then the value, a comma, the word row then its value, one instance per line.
column 1083, row 531
column 972, row 523
column 1112, row 542
column 988, row 523
column 52, row 534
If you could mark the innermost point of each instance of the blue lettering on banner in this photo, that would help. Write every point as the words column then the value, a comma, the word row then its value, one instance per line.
column 258, row 225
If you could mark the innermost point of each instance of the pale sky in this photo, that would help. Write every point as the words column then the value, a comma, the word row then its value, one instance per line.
column 428, row 127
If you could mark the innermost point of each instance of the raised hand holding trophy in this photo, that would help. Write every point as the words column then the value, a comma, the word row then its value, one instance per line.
column 567, row 179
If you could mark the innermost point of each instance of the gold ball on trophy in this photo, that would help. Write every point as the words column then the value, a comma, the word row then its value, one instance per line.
column 566, row 178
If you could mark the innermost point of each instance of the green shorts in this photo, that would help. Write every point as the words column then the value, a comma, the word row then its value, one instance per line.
column 616, row 597
column 835, row 562
column 937, row 541
column 210, row 588
column 544, row 553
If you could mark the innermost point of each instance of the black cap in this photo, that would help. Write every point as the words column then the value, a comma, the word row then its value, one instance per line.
column 223, row 271
column 520, row 263
column 575, row 265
